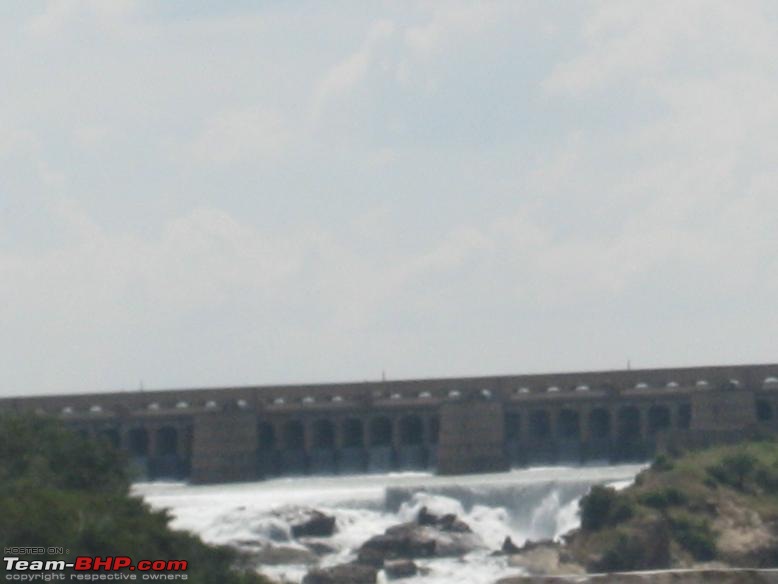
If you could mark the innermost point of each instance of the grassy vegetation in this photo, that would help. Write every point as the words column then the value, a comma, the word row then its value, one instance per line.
column 59, row 489
column 676, row 512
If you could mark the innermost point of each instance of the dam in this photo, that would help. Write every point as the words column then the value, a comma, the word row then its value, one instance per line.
column 449, row 425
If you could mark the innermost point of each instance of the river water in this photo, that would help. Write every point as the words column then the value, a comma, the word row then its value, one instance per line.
column 534, row 503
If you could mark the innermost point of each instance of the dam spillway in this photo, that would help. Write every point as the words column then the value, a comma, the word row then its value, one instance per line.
column 449, row 425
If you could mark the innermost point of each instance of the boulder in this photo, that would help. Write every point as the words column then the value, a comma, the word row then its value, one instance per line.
column 456, row 544
column 342, row 574
column 424, row 517
column 318, row 547
column 448, row 522
column 453, row 524
column 508, row 547
column 317, row 524
column 544, row 560
column 411, row 540
column 396, row 569
column 371, row 557
column 530, row 545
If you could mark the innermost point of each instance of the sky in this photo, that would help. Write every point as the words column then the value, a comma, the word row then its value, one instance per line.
column 206, row 193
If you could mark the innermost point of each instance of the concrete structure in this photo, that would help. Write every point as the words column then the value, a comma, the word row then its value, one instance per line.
column 453, row 425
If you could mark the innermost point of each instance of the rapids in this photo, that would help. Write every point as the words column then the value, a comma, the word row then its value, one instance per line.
column 534, row 503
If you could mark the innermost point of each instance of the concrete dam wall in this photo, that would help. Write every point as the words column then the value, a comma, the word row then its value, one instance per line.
column 457, row 425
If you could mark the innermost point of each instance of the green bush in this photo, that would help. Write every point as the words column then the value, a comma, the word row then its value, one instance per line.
column 662, row 463
column 695, row 536
column 767, row 478
column 648, row 549
column 595, row 507
column 626, row 553
column 710, row 482
column 622, row 510
column 734, row 470
column 664, row 498
column 57, row 488
column 604, row 506
column 41, row 452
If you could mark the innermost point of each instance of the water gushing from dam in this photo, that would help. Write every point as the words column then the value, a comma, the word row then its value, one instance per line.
column 535, row 503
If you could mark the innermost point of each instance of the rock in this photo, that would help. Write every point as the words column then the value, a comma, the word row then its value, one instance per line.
column 371, row 557
column 400, row 569
column 456, row 544
column 508, row 547
column 408, row 543
column 342, row 574
column 530, row 545
column 452, row 523
column 448, row 522
column 425, row 541
column 272, row 555
column 318, row 547
column 317, row 524
column 545, row 561
column 424, row 517
column 277, row 532
column 411, row 540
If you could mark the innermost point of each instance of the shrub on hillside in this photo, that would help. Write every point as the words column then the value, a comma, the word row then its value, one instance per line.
column 604, row 506
column 767, row 478
column 662, row 463
column 57, row 488
column 694, row 535
column 664, row 498
column 647, row 549
column 734, row 470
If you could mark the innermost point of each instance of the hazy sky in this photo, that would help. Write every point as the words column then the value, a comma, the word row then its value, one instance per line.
column 235, row 192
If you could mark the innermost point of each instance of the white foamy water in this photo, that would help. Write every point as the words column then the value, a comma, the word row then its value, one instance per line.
column 536, row 503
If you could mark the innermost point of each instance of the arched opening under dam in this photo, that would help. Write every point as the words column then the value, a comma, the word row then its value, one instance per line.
column 541, row 445
column 293, row 456
column 167, row 460
column 569, row 425
column 629, row 445
column 764, row 411
column 381, row 455
column 412, row 452
column 353, row 454
column 322, row 455
column 138, row 442
column 267, row 450
column 658, row 419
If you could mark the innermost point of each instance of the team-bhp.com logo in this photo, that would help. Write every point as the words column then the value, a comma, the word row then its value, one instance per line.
column 93, row 568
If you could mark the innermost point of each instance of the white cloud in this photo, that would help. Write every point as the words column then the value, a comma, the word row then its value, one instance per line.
column 635, row 41
column 15, row 140
column 345, row 76
column 449, row 22
column 252, row 135
column 204, row 233
column 58, row 15
column 91, row 135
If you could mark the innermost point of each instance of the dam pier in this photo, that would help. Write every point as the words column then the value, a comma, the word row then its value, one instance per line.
column 450, row 425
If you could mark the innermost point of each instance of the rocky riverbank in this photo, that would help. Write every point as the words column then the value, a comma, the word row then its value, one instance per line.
column 711, row 509
column 706, row 512
column 394, row 551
